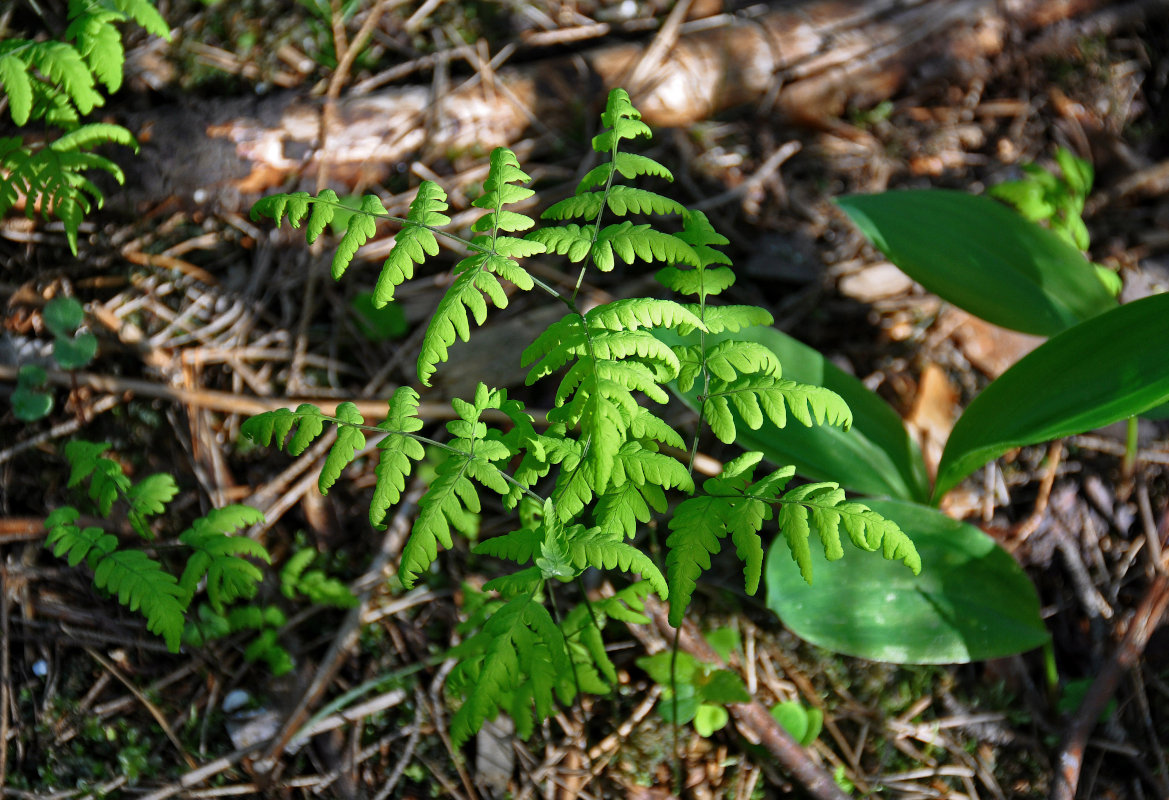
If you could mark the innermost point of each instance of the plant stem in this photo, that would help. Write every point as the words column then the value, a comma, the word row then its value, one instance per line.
column 1128, row 465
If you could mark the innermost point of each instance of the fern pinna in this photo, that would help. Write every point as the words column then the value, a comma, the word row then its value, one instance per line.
column 602, row 467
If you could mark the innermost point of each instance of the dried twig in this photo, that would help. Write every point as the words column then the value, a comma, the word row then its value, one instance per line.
column 1144, row 622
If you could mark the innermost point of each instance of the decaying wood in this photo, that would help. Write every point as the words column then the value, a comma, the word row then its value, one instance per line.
column 805, row 61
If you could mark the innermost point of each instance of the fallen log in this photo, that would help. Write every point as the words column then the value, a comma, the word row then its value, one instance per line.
column 805, row 61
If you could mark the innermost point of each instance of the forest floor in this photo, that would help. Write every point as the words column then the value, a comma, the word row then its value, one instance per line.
column 209, row 312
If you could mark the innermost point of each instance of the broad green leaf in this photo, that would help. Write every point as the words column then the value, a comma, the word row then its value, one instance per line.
column 803, row 724
column 75, row 352
column 63, row 316
column 710, row 718
column 1106, row 369
column 875, row 457
column 970, row 602
column 30, row 401
column 983, row 257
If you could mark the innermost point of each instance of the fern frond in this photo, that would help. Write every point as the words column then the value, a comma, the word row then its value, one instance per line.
column 827, row 508
column 360, row 229
column 731, row 358
column 452, row 501
column 270, row 426
column 622, row 120
column 519, row 662
column 624, row 506
column 350, row 439
column 99, row 43
column 630, row 242
column 83, row 458
column 647, row 427
column 149, row 497
column 17, row 87
column 700, row 522
column 707, row 282
column 451, row 318
column 397, row 450
column 76, row 544
column 63, row 65
column 643, row 312
column 476, row 274
column 571, row 240
column 414, row 242
column 594, row 547
column 519, row 546
column 146, row 15
column 647, row 468
column 140, row 582
column 755, row 396
column 53, row 177
column 219, row 556
column 720, row 319
column 621, row 200
column 293, row 570
column 630, row 165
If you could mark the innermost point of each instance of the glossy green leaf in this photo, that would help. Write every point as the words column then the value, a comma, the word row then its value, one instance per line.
column 875, row 457
column 983, row 257
column 971, row 601
column 1106, row 369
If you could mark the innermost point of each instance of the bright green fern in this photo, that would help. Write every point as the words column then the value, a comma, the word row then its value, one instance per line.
column 58, row 82
column 606, row 464
column 218, row 560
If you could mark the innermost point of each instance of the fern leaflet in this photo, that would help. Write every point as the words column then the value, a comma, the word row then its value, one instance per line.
column 139, row 581
column 219, row 556
column 452, row 501
column 476, row 274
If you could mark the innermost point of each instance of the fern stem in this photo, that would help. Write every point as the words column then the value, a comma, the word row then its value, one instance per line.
column 597, row 221
column 674, row 689
column 556, row 615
